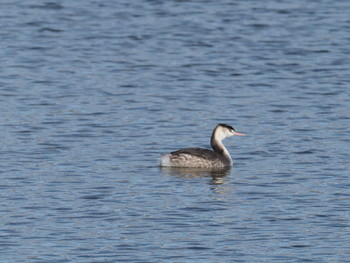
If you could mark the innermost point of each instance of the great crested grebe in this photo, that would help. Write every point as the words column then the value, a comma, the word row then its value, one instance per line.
column 203, row 158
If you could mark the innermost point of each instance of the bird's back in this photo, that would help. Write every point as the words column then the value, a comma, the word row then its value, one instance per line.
column 194, row 157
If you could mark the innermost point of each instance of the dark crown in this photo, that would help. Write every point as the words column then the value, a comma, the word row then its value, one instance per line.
column 226, row 126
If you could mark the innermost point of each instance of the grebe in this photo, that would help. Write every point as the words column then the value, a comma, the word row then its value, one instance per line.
column 204, row 158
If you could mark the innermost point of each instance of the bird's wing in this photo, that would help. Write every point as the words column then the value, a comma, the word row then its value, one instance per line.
column 200, row 152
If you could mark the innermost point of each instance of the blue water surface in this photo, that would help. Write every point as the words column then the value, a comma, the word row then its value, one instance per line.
column 92, row 92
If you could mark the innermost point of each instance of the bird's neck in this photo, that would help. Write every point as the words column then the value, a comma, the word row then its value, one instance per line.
column 216, row 143
column 218, row 146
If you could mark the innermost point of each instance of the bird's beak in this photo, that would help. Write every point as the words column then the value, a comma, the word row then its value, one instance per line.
column 237, row 133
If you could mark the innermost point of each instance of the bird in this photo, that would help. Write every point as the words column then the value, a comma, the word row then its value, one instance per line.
column 219, row 157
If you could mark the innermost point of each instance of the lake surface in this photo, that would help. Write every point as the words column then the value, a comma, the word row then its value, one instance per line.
column 92, row 92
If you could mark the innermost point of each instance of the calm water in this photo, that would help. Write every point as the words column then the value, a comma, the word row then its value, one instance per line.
column 92, row 93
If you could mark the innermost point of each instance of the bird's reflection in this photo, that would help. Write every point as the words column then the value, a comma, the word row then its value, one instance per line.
column 217, row 176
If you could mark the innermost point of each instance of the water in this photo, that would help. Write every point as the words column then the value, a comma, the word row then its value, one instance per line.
column 92, row 93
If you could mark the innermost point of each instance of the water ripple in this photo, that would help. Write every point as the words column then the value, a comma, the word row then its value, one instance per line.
column 92, row 93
